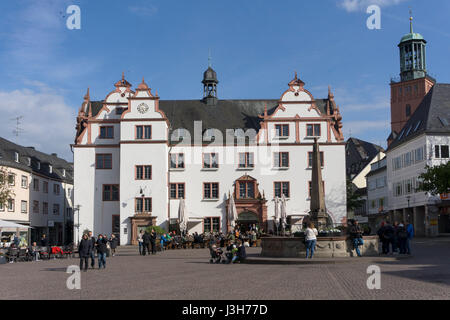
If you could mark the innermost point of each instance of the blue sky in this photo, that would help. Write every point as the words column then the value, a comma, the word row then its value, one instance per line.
column 256, row 46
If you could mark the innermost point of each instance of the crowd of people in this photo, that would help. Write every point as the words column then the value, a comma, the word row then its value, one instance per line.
column 395, row 238
column 103, row 245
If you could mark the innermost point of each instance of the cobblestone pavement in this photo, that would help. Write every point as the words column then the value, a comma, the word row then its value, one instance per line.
column 187, row 274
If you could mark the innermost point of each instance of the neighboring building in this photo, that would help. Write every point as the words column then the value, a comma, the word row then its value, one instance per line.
column 419, row 138
column 43, row 190
column 135, row 156
column 359, row 156
column 377, row 193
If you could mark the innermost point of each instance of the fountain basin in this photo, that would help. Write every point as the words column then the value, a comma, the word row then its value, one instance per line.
column 326, row 247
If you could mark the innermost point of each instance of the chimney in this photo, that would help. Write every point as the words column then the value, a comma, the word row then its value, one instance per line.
column 31, row 148
column 54, row 154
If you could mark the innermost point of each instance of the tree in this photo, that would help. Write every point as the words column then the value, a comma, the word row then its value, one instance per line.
column 6, row 191
column 353, row 197
column 436, row 180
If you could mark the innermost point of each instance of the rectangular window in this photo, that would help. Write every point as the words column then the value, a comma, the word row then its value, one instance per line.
column 12, row 179
column 437, row 152
column 143, row 132
column 310, row 159
column 418, row 155
column 210, row 190
column 2, row 208
column 176, row 190
column 246, row 189
column 282, row 130
column 24, row 182
column 45, row 207
column 35, row 184
column 23, row 206
column 444, row 152
column 143, row 205
column 281, row 187
column 110, row 192
column 177, row 160
column 35, row 206
column 56, row 189
column 45, row 186
column 281, row 159
column 103, row 161
column 143, row 173
column 107, row 132
column 56, row 209
column 246, row 160
column 11, row 203
column 210, row 160
column 313, row 130
column 408, row 186
column 211, row 224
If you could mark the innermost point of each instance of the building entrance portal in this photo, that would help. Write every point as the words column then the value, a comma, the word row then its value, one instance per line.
column 250, row 204
column 247, row 220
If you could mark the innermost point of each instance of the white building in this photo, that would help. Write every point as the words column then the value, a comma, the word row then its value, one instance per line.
column 135, row 156
column 420, row 137
column 377, row 192
column 42, row 187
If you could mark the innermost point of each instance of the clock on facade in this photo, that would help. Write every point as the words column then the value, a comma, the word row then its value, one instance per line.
column 142, row 108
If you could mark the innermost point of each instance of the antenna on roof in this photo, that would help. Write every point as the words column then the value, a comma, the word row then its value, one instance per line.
column 18, row 129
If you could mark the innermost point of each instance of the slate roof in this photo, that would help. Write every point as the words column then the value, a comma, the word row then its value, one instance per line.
column 431, row 116
column 358, row 154
column 7, row 158
column 226, row 114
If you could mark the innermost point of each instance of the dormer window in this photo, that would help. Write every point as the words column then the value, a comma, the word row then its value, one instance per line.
column 64, row 172
column 39, row 165
column 50, row 169
column 16, row 156
column 29, row 161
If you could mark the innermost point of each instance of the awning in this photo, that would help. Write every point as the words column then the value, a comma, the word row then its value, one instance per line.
column 9, row 224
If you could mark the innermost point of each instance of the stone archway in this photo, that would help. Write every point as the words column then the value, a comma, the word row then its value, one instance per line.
column 248, row 199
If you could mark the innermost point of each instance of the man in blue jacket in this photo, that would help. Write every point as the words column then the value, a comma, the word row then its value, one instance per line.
column 410, row 232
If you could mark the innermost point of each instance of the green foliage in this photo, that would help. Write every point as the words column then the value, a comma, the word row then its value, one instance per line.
column 158, row 230
column 436, row 180
column 353, row 198
column 6, row 191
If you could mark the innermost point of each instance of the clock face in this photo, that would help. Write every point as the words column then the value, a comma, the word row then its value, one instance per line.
column 142, row 108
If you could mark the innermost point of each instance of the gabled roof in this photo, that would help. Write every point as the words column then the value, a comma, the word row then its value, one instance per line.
column 358, row 154
column 7, row 158
column 431, row 116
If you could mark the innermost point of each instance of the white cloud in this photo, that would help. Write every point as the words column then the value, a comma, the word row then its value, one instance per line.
column 358, row 5
column 48, row 123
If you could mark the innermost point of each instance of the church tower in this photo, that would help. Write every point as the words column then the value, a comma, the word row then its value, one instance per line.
column 408, row 92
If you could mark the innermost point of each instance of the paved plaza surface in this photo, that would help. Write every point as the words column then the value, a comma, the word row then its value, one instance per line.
column 187, row 274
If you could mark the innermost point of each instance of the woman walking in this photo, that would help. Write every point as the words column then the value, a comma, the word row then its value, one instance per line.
column 101, row 251
column 311, row 239
column 84, row 250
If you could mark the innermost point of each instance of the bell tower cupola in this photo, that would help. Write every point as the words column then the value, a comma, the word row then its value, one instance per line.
column 413, row 64
column 210, row 85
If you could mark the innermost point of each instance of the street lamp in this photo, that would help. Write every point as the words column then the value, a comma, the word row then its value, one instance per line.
column 77, row 208
column 408, row 198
